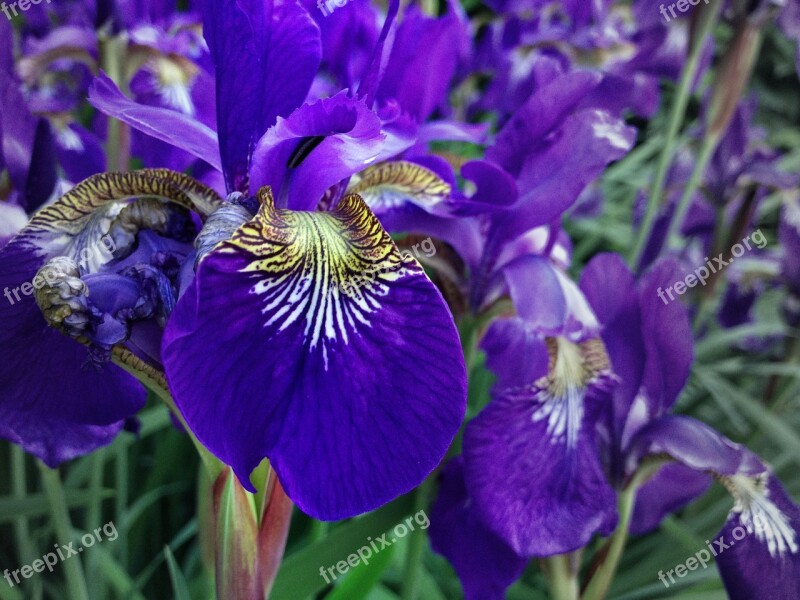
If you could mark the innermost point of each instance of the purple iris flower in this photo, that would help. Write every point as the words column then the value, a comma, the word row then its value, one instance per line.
column 506, row 232
column 653, row 364
column 575, row 417
column 540, row 436
column 630, row 46
column 320, row 321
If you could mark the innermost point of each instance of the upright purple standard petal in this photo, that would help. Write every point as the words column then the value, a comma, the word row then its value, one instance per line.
column 485, row 564
column 667, row 337
column 317, row 146
column 266, row 56
column 170, row 126
column 419, row 81
column 324, row 334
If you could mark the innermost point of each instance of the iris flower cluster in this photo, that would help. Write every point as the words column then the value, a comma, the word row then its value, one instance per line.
column 254, row 273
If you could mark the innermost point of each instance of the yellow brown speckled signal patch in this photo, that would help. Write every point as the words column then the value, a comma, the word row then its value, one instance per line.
column 392, row 184
column 83, row 216
column 329, row 268
column 70, row 213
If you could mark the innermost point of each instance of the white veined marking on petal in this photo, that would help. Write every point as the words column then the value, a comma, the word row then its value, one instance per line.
column 562, row 392
column 564, row 416
column 760, row 516
column 313, row 289
column 612, row 133
column 70, row 140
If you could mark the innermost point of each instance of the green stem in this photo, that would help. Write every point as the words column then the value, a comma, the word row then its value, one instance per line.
column 706, row 152
column 416, row 543
column 22, row 533
column 562, row 578
column 708, row 18
column 94, row 516
column 73, row 568
column 469, row 340
column 604, row 574
column 121, row 497
column 112, row 52
column 319, row 529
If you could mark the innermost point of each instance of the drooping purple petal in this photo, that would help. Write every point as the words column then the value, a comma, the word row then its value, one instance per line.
column 265, row 56
column 327, row 317
column 539, row 440
column 554, row 175
column 693, row 444
column 56, row 403
column 761, row 560
column 172, row 127
column 394, row 184
column 540, row 116
column 485, row 564
column 670, row 489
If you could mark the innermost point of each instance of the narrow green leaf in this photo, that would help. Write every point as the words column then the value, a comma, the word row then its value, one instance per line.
column 35, row 505
column 360, row 580
column 722, row 340
column 300, row 577
column 116, row 575
column 759, row 414
column 180, row 589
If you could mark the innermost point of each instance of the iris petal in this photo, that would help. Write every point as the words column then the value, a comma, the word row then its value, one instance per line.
column 485, row 564
column 324, row 333
column 763, row 557
column 53, row 403
column 539, row 440
column 56, row 402
column 392, row 184
column 266, row 54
